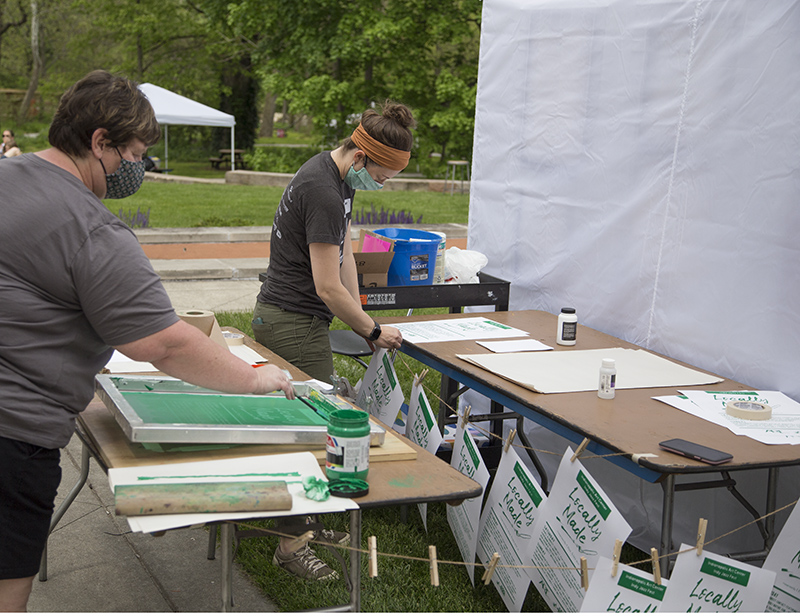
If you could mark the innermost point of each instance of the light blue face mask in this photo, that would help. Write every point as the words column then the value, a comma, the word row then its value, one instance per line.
column 361, row 180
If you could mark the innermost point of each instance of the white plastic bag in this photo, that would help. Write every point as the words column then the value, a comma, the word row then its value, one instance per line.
column 462, row 266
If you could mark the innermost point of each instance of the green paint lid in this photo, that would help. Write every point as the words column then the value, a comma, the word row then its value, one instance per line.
column 348, row 488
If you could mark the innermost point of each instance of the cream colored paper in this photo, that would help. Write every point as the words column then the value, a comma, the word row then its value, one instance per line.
column 570, row 371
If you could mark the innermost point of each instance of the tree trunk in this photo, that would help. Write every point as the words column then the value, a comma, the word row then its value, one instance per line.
column 36, row 67
column 268, row 116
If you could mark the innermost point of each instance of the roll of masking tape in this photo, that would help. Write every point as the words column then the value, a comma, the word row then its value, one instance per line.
column 206, row 322
column 748, row 410
column 232, row 338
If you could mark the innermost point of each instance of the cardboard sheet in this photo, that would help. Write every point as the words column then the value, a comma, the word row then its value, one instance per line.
column 569, row 371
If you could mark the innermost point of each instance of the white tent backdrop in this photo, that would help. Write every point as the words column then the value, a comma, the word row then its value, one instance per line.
column 639, row 161
column 173, row 108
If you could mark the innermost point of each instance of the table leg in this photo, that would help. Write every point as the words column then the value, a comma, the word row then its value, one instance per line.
column 62, row 509
column 772, row 503
column 355, row 560
column 667, row 510
column 226, row 547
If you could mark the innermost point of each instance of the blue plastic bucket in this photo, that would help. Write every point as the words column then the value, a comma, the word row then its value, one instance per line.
column 414, row 258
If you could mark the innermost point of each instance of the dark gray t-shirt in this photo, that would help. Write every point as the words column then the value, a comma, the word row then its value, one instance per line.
column 74, row 281
column 315, row 208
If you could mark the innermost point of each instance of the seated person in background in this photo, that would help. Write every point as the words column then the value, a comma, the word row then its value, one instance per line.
column 9, row 147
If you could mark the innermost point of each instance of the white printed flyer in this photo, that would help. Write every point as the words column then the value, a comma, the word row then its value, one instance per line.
column 464, row 519
column 380, row 394
column 507, row 526
column 422, row 429
column 784, row 561
column 577, row 520
column 712, row 583
column 630, row 590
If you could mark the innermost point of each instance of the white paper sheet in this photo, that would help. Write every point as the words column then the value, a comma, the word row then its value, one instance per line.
column 444, row 330
column 122, row 364
column 713, row 583
column 465, row 519
column 631, row 590
column 507, row 526
column 782, row 429
column 568, row 371
column 379, row 393
column 577, row 520
column 514, row 346
column 422, row 428
column 784, row 561
column 291, row 467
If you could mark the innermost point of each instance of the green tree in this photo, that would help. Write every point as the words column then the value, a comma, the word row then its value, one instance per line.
column 332, row 59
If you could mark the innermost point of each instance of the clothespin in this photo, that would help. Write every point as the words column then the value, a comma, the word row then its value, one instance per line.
column 434, row 565
column 701, row 535
column 299, row 542
column 584, row 573
column 487, row 575
column 372, row 542
column 580, row 449
column 509, row 440
column 418, row 377
column 465, row 418
column 617, row 552
column 656, row 566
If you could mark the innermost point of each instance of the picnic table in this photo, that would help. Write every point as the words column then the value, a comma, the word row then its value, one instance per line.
column 224, row 158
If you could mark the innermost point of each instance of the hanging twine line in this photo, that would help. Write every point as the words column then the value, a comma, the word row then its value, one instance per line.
column 500, row 565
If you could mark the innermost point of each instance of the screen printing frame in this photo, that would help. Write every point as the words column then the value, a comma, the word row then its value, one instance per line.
column 140, row 431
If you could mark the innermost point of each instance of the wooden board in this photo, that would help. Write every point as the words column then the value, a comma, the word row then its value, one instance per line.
column 225, row 497
column 116, row 451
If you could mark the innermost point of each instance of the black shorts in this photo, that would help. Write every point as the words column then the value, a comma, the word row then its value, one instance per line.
column 29, row 478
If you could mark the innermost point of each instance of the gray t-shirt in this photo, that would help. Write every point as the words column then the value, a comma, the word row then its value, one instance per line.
column 74, row 281
column 315, row 208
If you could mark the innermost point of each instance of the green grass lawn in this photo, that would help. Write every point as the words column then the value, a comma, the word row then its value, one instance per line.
column 210, row 205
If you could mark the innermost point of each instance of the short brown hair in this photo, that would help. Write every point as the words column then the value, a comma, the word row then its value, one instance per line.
column 102, row 100
column 392, row 126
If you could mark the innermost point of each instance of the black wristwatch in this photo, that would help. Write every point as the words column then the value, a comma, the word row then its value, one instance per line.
column 375, row 333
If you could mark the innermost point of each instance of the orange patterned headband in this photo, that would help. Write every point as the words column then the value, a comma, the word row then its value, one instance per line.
column 380, row 153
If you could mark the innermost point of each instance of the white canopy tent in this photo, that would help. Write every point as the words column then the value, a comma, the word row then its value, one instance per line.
column 173, row 108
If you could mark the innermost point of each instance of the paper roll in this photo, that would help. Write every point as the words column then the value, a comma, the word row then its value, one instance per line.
column 206, row 322
column 748, row 410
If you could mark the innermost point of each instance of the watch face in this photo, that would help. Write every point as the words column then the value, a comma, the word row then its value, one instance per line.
column 376, row 333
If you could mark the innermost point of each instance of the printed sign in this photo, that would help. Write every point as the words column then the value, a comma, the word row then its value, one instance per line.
column 784, row 561
column 712, row 583
column 631, row 590
column 380, row 392
column 577, row 520
column 507, row 526
column 464, row 520
column 422, row 429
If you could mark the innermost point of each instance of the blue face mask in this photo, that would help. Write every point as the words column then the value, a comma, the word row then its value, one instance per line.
column 124, row 181
column 361, row 180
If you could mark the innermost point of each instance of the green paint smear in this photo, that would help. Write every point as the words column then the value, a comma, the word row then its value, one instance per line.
column 408, row 482
column 289, row 474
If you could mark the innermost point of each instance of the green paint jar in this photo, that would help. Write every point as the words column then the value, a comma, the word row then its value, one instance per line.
column 347, row 449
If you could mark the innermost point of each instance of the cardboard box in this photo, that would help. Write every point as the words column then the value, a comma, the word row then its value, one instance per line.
column 372, row 268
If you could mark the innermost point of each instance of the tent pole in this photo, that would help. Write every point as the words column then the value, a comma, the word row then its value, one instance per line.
column 166, row 146
column 233, row 156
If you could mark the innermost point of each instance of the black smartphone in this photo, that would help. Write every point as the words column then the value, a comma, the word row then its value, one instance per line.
column 695, row 451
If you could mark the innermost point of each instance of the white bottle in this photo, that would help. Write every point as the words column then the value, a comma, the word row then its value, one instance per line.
column 606, row 387
column 567, row 327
